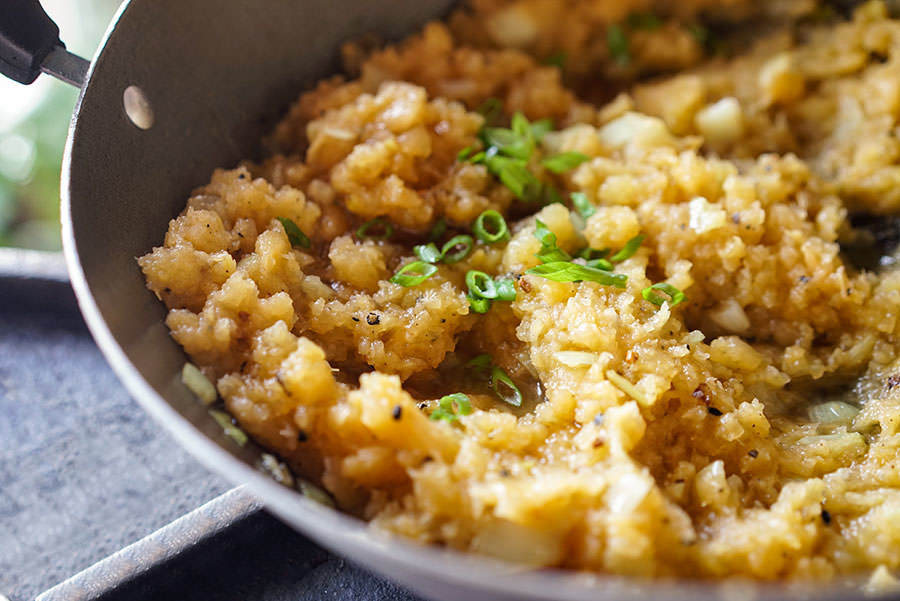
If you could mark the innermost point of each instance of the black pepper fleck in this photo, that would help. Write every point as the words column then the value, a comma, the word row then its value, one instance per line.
column 714, row 411
column 373, row 319
column 301, row 436
column 804, row 279
column 354, row 318
column 397, row 412
column 826, row 517
column 504, row 473
column 753, row 453
column 242, row 176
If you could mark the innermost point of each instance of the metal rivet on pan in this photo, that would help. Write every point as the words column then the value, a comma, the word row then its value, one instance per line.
column 137, row 107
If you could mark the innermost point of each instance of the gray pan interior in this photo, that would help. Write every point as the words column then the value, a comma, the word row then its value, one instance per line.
column 217, row 74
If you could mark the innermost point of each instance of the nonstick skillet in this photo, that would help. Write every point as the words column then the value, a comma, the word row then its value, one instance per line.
column 178, row 88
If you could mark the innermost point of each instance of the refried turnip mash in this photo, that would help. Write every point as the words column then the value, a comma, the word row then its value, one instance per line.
column 569, row 283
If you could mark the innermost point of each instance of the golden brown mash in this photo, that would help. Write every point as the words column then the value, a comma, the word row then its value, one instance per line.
column 752, row 429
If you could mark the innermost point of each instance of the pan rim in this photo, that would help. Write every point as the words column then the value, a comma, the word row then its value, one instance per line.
column 392, row 555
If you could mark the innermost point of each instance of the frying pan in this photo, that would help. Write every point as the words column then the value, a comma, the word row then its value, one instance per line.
column 205, row 80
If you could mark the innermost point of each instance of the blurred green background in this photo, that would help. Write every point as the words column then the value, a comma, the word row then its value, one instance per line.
column 33, row 124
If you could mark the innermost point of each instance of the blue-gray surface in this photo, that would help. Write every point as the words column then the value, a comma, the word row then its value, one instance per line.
column 83, row 472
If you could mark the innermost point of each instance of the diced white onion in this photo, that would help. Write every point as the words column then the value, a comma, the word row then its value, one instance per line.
column 576, row 358
column 833, row 412
column 278, row 470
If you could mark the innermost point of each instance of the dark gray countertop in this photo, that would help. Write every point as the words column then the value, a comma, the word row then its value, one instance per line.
column 83, row 470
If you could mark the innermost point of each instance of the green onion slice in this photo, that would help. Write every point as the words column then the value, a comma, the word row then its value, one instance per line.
column 491, row 227
column 294, row 233
column 589, row 254
column 540, row 128
column 617, row 42
column 509, row 142
column 478, row 305
column 490, row 109
column 670, row 294
column 451, row 406
column 465, row 153
column 564, row 161
column 600, row 264
column 564, row 271
column 481, row 285
column 628, row 250
column 226, row 422
column 557, row 59
column 387, row 230
column 506, row 289
column 457, row 248
column 413, row 274
column 437, row 230
column 427, row 252
column 505, row 388
column 514, row 174
column 549, row 252
column 582, row 205
column 646, row 21
column 479, row 362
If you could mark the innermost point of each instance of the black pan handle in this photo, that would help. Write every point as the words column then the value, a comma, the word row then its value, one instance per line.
column 30, row 44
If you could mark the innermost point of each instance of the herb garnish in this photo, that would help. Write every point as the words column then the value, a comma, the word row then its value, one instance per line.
column 617, row 42
column 564, row 161
column 628, row 250
column 499, row 380
column 671, row 294
column 646, row 21
column 490, row 227
column 294, row 233
column 413, row 274
column 451, row 406
column 582, row 205
column 549, row 252
column 565, row 271
column 557, row 59
column 387, row 230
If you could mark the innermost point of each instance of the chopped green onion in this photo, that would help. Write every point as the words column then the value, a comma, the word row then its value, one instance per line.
column 413, row 274
column 478, row 305
column 514, row 174
column 437, row 230
column 647, row 21
column 480, row 362
column 478, row 157
column 509, row 142
column 451, row 406
column 505, row 388
column 199, row 384
column 700, row 33
column 294, row 234
column 506, row 289
column 671, row 294
column 227, row 424
column 490, row 109
column 387, row 230
column 589, row 254
column 564, row 271
column 617, row 42
column 427, row 252
column 582, row 205
column 557, row 59
column 457, row 248
column 564, row 161
column 481, row 285
column 600, row 264
column 540, row 128
column 464, row 153
column 315, row 493
column 490, row 227
column 551, row 194
column 628, row 250
column 549, row 252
